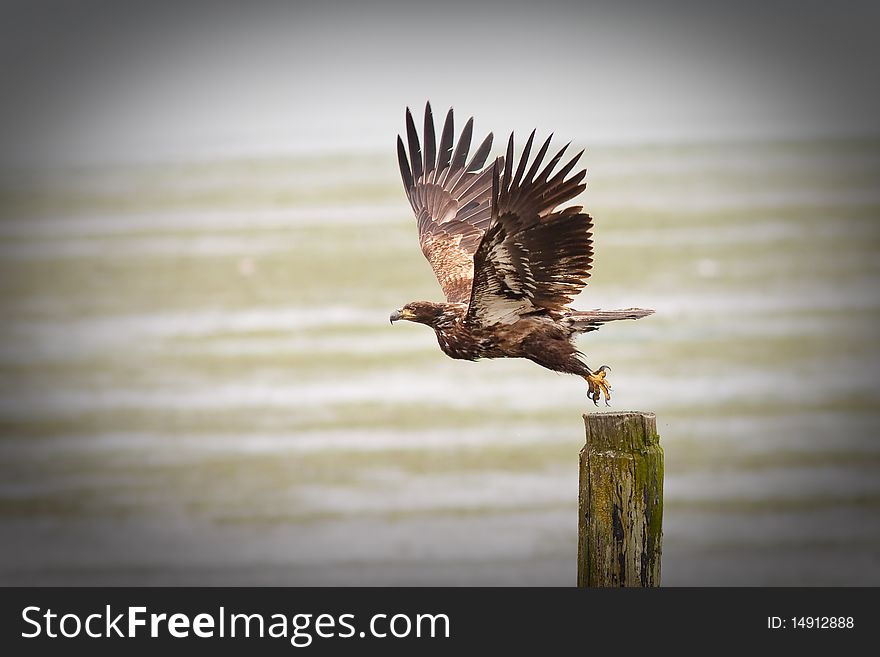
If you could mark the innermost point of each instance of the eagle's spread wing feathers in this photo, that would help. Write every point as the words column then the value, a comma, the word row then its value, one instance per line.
column 532, row 258
column 450, row 196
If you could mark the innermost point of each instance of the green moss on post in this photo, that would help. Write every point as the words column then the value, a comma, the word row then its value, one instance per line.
column 620, row 528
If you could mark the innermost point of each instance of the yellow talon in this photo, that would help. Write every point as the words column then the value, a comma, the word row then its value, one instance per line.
column 597, row 383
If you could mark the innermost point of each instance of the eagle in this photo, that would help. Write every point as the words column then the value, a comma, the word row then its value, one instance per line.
column 508, row 257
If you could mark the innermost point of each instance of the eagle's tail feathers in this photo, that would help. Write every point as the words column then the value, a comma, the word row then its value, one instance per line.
column 583, row 321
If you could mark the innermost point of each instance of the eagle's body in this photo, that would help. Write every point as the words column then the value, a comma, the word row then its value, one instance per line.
column 508, row 261
column 465, row 340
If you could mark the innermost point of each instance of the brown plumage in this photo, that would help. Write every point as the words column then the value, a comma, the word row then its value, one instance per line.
column 508, row 259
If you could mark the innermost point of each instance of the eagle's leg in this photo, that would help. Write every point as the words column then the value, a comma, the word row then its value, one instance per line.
column 597, row 384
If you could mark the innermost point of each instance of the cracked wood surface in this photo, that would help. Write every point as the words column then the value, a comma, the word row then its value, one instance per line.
column 620, row 498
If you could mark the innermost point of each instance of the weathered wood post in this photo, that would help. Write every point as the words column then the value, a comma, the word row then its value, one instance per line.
column 620, row 527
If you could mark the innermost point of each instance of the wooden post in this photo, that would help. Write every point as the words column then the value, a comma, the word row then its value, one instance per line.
column 620, row 528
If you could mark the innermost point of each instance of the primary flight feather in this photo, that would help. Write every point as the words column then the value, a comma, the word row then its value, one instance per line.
column 508, row 257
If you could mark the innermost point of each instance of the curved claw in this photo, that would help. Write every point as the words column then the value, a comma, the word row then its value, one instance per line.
column 597, row 384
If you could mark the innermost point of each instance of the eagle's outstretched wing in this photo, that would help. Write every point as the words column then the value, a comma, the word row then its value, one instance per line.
column 450, row 197
column 532, row 257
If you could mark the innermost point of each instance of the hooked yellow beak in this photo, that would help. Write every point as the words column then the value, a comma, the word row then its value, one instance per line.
column 401, row 313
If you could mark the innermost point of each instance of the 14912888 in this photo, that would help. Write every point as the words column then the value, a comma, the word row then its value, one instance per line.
column 811, row 622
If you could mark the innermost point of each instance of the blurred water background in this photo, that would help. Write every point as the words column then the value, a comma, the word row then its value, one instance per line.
column 200, row 384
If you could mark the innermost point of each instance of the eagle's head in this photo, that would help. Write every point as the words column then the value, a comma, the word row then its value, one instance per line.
column 423, row 312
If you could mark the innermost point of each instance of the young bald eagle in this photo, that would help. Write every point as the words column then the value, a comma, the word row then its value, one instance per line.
column 508, row 261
